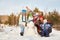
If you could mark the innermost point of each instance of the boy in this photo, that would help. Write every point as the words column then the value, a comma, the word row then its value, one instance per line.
column 45, row 26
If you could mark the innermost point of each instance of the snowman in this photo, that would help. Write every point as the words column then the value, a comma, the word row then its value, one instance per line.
column 30, row 29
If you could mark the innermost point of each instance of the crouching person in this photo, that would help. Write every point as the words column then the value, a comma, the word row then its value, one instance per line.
column 45, row 27
column 22, row 29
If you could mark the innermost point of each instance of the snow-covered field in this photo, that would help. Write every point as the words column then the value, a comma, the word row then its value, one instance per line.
column 13, row 33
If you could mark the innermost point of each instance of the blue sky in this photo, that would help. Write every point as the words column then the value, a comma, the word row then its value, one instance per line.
column 9, row 6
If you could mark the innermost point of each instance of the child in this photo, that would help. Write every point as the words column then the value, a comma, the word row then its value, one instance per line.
column 45, row 27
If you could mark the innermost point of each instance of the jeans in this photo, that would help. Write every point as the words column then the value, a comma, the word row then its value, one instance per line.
column 22, row 28
column 45, row 33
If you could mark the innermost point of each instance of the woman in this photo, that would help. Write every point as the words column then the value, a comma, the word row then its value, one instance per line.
column 37, row 22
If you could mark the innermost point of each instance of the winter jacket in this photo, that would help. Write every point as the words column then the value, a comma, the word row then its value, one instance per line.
column 45, row 26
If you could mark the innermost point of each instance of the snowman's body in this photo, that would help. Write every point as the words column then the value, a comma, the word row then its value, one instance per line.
column 30, row 29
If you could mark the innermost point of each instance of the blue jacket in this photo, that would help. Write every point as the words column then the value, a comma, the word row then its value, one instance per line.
column 45, row 26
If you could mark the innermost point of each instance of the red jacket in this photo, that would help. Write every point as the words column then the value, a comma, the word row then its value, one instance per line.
column 41, row 16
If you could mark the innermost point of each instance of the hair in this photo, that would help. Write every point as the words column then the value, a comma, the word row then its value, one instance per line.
column 40, row 13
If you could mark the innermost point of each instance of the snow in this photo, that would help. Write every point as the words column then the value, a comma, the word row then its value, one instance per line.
column 13, row 33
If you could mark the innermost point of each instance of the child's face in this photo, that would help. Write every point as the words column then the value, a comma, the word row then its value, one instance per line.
column 41, row 19
column 41, row 14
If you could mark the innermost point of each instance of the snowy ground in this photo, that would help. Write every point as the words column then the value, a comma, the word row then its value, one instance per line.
column 12, row 33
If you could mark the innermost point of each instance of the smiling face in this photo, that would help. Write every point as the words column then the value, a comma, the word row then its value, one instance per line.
column 41, row 19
